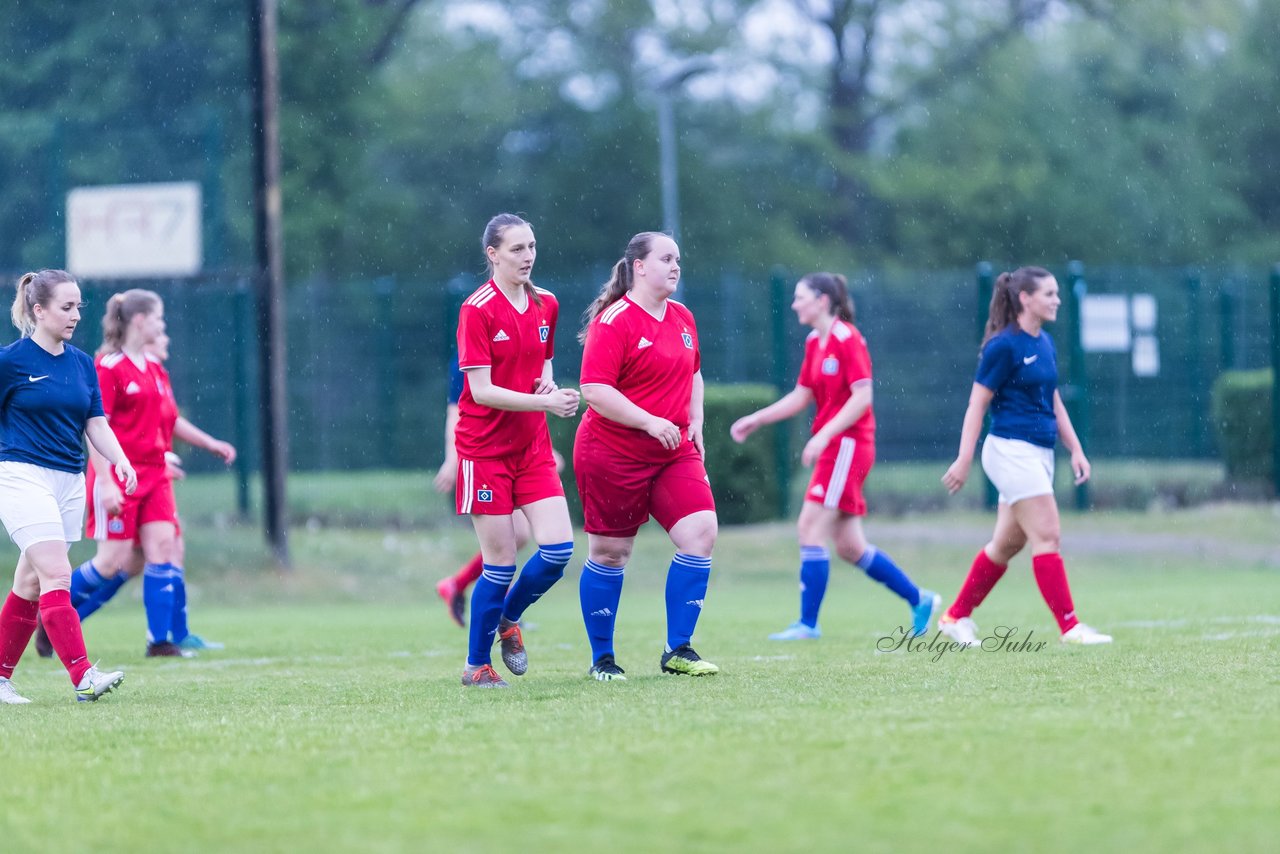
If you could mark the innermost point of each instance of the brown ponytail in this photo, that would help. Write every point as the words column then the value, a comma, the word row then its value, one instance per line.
column 121, row 309
column 836, row 289
column 620, row 280
column 1005, row 304
column 34, row 289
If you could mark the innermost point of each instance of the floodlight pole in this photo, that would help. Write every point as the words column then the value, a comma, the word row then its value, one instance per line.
column 269, row 266
column 664, row 88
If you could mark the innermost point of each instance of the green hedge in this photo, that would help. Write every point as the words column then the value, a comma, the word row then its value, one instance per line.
column 1242, row 417
column 743, row 477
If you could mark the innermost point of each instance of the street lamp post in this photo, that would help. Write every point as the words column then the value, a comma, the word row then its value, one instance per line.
column 665, row 88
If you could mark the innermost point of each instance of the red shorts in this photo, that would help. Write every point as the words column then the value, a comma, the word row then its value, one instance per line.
column 620, row 493
column 498, row 487
column 152, row 501
column 838, row 476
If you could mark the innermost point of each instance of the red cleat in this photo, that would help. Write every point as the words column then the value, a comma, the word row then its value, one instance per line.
column 455, row 600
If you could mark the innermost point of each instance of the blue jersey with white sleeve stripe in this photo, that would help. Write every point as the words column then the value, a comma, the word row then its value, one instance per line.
column 45, row 402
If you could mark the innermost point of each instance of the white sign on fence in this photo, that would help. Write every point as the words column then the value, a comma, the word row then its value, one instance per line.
column 134, row 230
column 1104, row 323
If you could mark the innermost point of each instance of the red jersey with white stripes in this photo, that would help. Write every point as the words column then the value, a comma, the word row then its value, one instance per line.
column 513, row 345
column 831, row 369
column 139, row 403
column 651, row 361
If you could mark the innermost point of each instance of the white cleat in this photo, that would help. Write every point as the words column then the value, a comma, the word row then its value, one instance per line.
column 9, row 695
column 96, row 683
column 1084, row 635
column 963, row 631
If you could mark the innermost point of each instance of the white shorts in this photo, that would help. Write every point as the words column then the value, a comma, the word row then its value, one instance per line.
column 1018, row 469
column 38, row 505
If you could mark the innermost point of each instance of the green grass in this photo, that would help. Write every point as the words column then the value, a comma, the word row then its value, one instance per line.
column 334, row 721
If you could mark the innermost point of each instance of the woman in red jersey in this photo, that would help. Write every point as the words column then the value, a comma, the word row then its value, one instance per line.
column 639, row 450
column 836, row 376
column 506, row 338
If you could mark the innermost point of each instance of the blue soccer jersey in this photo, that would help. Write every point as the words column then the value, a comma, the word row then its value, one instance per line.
column 1022, row 373
column 456, row 380
column 45, row 402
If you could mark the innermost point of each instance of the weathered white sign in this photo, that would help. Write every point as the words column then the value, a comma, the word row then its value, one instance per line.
column 134, row 230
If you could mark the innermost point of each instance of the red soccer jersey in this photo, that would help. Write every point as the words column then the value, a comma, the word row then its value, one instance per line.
column 651, row 361
column 513, row 346
column 139, row 402
column 830, row 371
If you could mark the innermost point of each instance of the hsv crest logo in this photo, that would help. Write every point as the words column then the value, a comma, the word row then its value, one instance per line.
column 115, row 526
column 830, row 366
column 543, row 332
column 688, row 340
column 485, row 495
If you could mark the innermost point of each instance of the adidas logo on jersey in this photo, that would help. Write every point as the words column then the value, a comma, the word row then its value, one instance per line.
column 502, row 336
column 644, row 342
column 132, row 388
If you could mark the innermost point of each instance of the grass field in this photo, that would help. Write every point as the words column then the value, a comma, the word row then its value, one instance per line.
column 334, row 720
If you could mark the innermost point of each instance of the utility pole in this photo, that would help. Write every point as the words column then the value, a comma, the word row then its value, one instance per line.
column 264, row 75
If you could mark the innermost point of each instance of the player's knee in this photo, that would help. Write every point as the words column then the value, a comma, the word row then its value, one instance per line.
column 612, row 556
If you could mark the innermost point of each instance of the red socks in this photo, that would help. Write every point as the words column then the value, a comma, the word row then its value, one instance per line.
column 17, row 625
column 982, row 576
column 1051, row 576
column 62, row 625
column 467, row 576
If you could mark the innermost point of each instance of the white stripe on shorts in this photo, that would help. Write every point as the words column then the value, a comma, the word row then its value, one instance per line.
column 467, row 492
column 840, row 473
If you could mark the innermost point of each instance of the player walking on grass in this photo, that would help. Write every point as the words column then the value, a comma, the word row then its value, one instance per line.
column 49, row 401
column 1018, row 380
column 98, row 579
column 453, row 589
column 506, row 338
column 836, row 376
column 639, row 450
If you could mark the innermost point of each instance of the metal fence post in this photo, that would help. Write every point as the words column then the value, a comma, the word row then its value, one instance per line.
column 384, row 288
column 1275, row 378
column 1079, row 289
column 1227, row 324
column 780, row 378
column 986, row 287
column 1195, row 375
column 243, row 321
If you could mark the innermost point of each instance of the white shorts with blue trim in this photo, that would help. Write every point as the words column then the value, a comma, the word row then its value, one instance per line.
column 1018, row 469
column 39, row 505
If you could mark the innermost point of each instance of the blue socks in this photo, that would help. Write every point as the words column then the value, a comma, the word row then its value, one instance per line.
column 178, row 624
column 540, row 571
column 101, row 596
column 686, row 588
column 879, row 567
column 84, row 581
column 599, row 591
column 815, row 568
column 486, row 610
column 157, row 600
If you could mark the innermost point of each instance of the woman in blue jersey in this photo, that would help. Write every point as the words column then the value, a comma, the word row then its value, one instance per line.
column 1018, row 380
column 49, row 401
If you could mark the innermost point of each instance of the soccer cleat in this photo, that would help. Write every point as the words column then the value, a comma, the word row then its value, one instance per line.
column 962, row 631
column 9, row 695
column 455, row 599
column 923, row 612
column 683, row 660
column 195, row 642
column 797, row 631
column 96, row 683
column 44, row 646
column 513, row 654
column 606, row 670
column 167, row 649
column 1084, row 635
column 482, row 676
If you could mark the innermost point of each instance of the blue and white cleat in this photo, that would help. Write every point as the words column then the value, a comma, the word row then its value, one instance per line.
column 922, row 613
column 797, row 631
